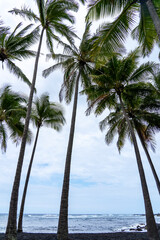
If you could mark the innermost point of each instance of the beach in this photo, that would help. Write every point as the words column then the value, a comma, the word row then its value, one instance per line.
column 83, row 236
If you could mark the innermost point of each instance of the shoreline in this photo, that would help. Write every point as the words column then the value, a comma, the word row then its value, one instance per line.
column 83, row 236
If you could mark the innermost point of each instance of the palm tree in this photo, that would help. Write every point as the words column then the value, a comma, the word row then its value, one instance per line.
column 143, row 119
column 51, row 15
column 112, row 82
column 77, row 65
column 12, row 113
column 148, row 30
column 44, row 113
column 15, row 46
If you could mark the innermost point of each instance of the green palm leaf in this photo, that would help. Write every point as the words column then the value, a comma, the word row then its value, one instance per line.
column 25, row 13
column 46, row 113
column 15, row 46
column 17, row 71
column 12, row 114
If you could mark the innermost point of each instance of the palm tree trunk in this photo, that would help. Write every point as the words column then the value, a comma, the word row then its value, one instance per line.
column 20, row 220
column 149, row 160
column 62, row 233
column 11, row 230
column 151, row 224
column 154, row 16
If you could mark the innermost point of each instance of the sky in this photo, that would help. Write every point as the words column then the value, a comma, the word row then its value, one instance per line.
column 102, row 180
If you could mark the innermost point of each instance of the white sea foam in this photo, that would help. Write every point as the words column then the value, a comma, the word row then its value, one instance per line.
column 134, row 227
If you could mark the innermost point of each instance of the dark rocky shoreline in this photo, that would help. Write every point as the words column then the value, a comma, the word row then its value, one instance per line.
column 84, row 236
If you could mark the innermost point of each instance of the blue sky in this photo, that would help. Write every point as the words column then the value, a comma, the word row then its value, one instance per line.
column 102, row 181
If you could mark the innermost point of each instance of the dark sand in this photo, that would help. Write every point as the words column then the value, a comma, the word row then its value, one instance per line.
column 84, row 236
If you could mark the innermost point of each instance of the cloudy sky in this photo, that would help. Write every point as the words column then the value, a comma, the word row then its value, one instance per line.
column 102, row 181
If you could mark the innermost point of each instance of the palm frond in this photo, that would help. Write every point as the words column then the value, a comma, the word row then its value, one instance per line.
column 145, row 70
column 25, row 13
column 101, row 8
column 49, row 42
column 64, row 30
column 46, row 113
column 3, row 29
column 3, row 137
column 145, row 32
column 112, row 35
column 51, row 69
column 17, row 71
column 41, row 10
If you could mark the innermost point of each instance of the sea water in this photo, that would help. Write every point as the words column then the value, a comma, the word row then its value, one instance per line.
column 80, row 223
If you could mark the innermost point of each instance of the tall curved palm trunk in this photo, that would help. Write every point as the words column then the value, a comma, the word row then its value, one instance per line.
column 151, row 224
column 11, row 230
column 62, row 233
column 20, row 220
column 150, row 161
column 154, row 16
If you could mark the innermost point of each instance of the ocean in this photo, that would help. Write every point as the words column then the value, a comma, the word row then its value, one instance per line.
column 80, row 223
